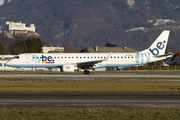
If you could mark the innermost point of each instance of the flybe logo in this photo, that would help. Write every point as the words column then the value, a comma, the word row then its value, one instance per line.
column 43, row 59
column 160, row 46
column 142, row 58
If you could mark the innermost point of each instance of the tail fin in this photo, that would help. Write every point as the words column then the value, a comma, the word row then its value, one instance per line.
column 159, row 46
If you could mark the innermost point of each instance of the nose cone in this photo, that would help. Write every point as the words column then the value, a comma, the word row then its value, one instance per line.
column 7, row 63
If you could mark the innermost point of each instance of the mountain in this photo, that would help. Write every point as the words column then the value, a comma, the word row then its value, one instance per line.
column 93, row 22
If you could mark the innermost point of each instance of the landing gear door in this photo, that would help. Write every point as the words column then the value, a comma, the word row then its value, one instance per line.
column 27, row 58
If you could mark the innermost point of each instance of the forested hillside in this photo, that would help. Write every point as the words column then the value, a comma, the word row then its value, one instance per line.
column 93, row 22
column 20, row 45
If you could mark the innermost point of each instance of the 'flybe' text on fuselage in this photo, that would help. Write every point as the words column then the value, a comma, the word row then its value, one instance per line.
column 142, row 58
column 44, row 59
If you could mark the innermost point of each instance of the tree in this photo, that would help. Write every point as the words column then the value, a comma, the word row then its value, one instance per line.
column 12, row 49
column 30, row 45
column 175, row 50
column 1, row 48
column 34, row 45
column 22, row 47
column 107, row 44
column 69, row 48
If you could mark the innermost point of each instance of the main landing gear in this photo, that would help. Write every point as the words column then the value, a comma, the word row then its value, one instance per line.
column 86, row 72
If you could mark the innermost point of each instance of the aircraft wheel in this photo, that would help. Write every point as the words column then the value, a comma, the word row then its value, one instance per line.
column 86, row 72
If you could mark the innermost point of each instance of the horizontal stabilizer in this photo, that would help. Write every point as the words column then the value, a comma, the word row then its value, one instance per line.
column 165, row 55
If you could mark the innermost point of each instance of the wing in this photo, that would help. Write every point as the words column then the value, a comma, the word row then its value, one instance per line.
column 90, row 64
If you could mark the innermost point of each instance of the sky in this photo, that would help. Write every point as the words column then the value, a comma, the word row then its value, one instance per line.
column 1, row 2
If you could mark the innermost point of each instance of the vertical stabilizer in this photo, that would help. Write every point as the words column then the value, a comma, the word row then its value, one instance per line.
column 159, row 46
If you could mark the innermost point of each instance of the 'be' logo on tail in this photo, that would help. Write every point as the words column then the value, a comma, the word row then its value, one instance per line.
column 160, row 46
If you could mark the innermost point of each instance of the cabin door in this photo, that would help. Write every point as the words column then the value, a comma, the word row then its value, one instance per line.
column 27, row 58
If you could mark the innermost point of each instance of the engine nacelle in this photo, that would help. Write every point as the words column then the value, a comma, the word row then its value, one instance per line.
column 68, row 68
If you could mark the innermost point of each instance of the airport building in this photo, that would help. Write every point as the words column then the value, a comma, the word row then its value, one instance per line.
column 52, row 49
column 97, row 49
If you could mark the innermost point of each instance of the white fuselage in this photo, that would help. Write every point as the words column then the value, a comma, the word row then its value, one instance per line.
column 119, row 60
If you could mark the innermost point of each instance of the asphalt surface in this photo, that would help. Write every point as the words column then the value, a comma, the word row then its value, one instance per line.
column 91, row 75
column 171, row 100
column 157, row 100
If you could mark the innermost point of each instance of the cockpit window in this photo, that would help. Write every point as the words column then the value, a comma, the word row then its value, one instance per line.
column 16, row 57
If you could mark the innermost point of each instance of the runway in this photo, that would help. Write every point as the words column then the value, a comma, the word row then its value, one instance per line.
column 159, row 100
column 90, row 76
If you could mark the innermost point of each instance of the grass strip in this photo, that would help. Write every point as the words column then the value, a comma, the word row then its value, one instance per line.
column 91, row 113
column 84, row 85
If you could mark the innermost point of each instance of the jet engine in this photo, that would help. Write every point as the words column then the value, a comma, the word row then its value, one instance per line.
column 68, row 68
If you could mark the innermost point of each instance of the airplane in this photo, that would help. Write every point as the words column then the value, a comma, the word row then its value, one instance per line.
column 69, row 62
